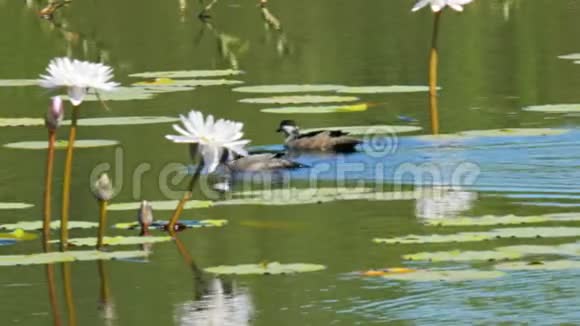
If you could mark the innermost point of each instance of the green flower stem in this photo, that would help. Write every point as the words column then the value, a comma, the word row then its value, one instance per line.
column 67, row 180
column 433, row 63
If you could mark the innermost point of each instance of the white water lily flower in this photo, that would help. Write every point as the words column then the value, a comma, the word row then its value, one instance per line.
column 212, row 136
column 78, row 77
column 437, row 5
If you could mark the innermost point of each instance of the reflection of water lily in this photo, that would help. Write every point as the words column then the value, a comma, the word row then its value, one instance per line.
column 78, row 77
column 224, row 305
column 441, row 202
column 437, row 5
column 212, row 136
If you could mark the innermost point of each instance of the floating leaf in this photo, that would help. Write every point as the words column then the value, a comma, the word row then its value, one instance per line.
column 62, row 144
column 502, row 220
column 188, row 73
column 392, row 270
column 383, row 89
column 568, row 249
column 116, row 241
column 539, row 265
column 273, row 268
column 21, row 122
column 185, row 223
column 15, row 205
column 18, row 82
column 287, row 88
column 538, row 232
column 458, row 255
column 299, row 99
column 187, row 83
column 123, row 121
column 369, row 130
column 161, row 205
column 572, row 56
column 134, row 93
column 19, row 235
column 515, row 132
column 68, row 256
column 318, row 109
column 55, row 225
column 554, row 108
column 445, row 275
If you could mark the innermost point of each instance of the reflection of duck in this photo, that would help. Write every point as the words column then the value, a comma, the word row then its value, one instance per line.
column 261, row 162
column 320, row 140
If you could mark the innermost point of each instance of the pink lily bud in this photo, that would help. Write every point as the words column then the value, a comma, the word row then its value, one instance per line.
column 55, row 113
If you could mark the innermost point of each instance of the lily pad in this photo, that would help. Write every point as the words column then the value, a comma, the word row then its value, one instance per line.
column 55, row 225
column 554, row 108
column 305, row 88
column 186, row 223
column 568, row 249
column 188, row 73
column 519, row 132
column 318, row 109
column 520, row 233
column 539, row 265
column 21, row 122
column 445, row 275
column 274, row 268
column 68, row 256
column 134, row 93
column 571, row 56
column 123, row 121
column 62, row 144
column 19, row 235
column 502, row 220
column 299, row 99
column 161, row 205
column 15, row 205
column 168, row 82
column 18, row 82
column 369, row 130
column 115, row 241
column 382, row 89
column 458, row 255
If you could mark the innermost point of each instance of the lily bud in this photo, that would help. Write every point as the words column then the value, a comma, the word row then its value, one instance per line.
column 55, row 113
column 145, row 214
column 103, row 189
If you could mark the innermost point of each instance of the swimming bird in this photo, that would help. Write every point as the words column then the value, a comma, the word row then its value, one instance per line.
column 319, row 140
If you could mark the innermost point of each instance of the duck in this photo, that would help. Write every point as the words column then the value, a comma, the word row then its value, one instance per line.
column 319, row 140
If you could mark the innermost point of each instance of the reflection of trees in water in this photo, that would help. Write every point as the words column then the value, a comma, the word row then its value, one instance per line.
column 440, row 202
column 223, row 303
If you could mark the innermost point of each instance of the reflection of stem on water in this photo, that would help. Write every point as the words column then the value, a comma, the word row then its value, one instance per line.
column 68, row 294
column 105, row 301
column 67, row 180
column 204, row 13
column 272, row 22
column 196, row 271
column 52, row 295
column 269, row 18
column 229, row 46
column 433, row 62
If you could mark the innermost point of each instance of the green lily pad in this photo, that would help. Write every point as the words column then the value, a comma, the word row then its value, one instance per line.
column 539, row 265
column 168, row 82
column 188, row 73
column 287, row 88
column 458, row 255
column 273, row 268
column 568, row 249
column 520, row 233
column 369, row 130
column 554, row 108
column 166, row 205
column 185, row 223
column 382, row 89
column 55, row 225
column 299, row 99
column 68, row 256
column 318, row 109
column 503, row 220
column 445, row 275
column 21, row 122
column 15, row 205
column 19, row 235
column 18, row 82
column 115, row 241
column 123, row 121
column 134, row 93
column 519, row 132
column 62, row 144
column 571, row 56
